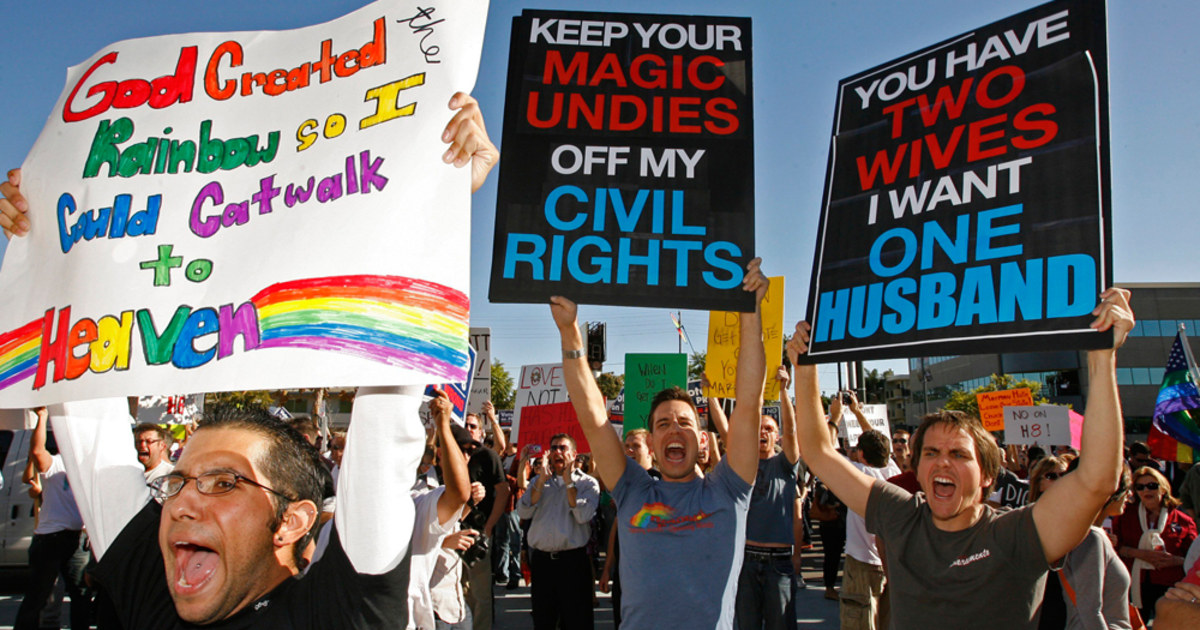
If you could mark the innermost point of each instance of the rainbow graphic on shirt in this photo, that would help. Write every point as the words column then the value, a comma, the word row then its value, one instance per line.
column 19, row 353
column 649, row 512
column 406, row 322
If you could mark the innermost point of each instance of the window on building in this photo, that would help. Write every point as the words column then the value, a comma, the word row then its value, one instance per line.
column 1150, row 328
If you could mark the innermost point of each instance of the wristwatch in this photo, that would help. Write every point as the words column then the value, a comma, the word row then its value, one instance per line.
column 573, row 354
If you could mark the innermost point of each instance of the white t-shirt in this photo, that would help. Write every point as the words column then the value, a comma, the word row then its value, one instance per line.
column 427, row 537
column 860, row 545
column 59, row 511
column 163, row 469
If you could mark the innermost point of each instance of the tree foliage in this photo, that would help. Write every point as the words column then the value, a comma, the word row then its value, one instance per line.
column 610, row 384
column 696, row 365
column 966, row 402
column 502, row 386
column 242, row 399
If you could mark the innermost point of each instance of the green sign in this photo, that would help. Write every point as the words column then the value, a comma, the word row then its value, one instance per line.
column 645, row 376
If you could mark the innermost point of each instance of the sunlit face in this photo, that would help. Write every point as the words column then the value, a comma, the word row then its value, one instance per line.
column 562, row 456
column 151, row 449
column 768, row 435
column 1149, row 492
column 900, row 449
column 1050, row 478
column 337, row 447
column 638, row 449
column 676, row 438
column 218, row 551
column 950, row 475
column 473, row 425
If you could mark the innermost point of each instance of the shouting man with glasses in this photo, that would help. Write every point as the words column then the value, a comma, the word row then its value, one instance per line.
column 241, row 507
column 153, row 443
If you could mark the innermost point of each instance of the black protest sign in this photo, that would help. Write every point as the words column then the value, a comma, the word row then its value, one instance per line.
column 627, row 168
column 967, row 205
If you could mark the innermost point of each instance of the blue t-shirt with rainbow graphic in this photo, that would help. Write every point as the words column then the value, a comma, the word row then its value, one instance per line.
column 681, row 547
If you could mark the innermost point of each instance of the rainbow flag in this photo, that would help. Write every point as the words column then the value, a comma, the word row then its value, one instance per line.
column 19, row 350
column 406, row 322
column 679, row 328
column 1175, row 411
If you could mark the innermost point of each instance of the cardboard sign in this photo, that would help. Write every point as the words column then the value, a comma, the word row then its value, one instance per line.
column 170, row 409
column 724, row 339
column 1044, row 425
column 627, row 169
column 616, row 408
column 179, row 179
column 967, row 206
column 645, row 376
column 698, row 397
column 481, row 383
column 541, row 422
column 456, row 393
column 772, row 411
column 539, row 385
column 876, row 416
column 992, row 404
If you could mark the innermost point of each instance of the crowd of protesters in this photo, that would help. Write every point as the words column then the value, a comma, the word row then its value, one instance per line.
column 700, row 522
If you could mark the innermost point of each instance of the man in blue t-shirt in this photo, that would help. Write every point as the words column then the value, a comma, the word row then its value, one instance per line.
column 681, row 536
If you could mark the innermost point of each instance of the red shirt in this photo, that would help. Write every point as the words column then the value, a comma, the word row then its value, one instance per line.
column 906, row 480
column 1177, row 534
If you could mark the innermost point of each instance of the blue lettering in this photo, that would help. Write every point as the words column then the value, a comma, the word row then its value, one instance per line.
column 513, row 255
column 905, row 314
column 935, row 306
column 1070, row 285
column 910, row 252
column 831, row 316
column 986, row 232
column 552, row 203
column 603, row 265
column 728, row 265
column 864, row 318
column 627, row 259
column 1020, row 290
column 200, row 323
column 956, row 249
column 978, row 297
column 677, row 226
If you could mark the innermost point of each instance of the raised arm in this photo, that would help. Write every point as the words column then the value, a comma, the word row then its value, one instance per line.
column 454, row 464
column 850, row 485
column 38, row 454
column 716, row 412
column 741, row 447
column 607, row 450
column 787, row 417
column 857, row 410
column 1068, row 508
column 498, row 439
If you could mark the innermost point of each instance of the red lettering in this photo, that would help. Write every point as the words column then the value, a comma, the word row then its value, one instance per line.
column 694, row 72
column 577, row 105
column 108, row 88
column 976, row 137
column 344, row 68
column 1018, row 84
column 657, row 76
column 728, row 115
column 212, row 84
column 531, row 112
column 617, row 103
column 610, row 69
column 555, row 72
column 941, row 156
column 83, row 333
column 678, row 114
column 1022, row 122
column 867, row 175
column 953, row 104
column 896, row 111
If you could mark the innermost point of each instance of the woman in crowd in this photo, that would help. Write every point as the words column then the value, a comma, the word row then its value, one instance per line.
column 1045, row 472
column 1153, row 539
column 1095, row 582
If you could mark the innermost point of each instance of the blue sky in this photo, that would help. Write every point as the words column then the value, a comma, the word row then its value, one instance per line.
column 801, row 50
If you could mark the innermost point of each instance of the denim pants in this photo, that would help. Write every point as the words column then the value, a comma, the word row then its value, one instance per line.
column 507, row 551
column 766, row 595
column 50, row 556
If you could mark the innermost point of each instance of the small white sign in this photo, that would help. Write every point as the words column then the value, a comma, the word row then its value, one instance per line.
column 876, row 416
column 1044, row 425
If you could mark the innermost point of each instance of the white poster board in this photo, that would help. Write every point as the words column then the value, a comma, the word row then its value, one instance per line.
column 1044, row 425
column 876, row 416
column 540, row 384
column 481, row 383
column 181, row 183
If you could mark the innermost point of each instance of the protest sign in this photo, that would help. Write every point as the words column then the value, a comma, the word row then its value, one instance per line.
column 992, row 404
column 876, row 416
column 456, row 394
column 182, row 185
column 1044, row 425
column 170, row 409
column 698, row 397
column 773, row 412
column 724, row 338
column 616, row 408
column 967, row 207
column 539, row 385
column 627, row 169
column 481, row 382
column 541, row 422
column 645, row 376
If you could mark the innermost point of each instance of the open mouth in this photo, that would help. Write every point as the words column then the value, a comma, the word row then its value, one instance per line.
column 194, row 567
column 943, row 487
column 676, row 453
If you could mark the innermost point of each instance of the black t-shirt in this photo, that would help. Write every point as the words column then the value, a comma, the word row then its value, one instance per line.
column 484, row 467
column 332, row 595
column 1013, row 490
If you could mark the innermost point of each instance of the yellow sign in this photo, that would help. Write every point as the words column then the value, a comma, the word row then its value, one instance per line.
column 723, row 341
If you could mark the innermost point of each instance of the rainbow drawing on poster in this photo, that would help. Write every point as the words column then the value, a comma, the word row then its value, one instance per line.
column 405, row 322
column 19, row 353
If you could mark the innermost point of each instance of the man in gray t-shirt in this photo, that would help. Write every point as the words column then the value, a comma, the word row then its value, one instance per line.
column 951, row 558
column 681, row 537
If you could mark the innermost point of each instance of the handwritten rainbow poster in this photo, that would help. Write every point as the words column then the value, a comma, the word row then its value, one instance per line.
column 251, row 210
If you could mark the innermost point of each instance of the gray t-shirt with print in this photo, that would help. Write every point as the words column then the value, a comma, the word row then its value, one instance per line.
column 681, row 548
column 991, row 574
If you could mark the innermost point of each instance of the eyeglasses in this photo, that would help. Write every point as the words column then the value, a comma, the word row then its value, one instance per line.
column 1052, row 476
column 146, row 441
column 210, row 484
column 559, row 447
column 900, row 440
column 1153, row 485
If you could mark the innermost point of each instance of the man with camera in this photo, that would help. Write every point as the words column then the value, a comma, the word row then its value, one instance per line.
column 561, row 502
column 484, row 468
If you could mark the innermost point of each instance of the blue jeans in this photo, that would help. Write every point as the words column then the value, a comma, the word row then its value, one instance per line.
column 465, row 624
column 766, row 595
column 507, row 551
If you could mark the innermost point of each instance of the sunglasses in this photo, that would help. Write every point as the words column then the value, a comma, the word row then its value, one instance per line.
column 1153, row 485
column 559, row 447
column 900, row 440
column 1053, row 476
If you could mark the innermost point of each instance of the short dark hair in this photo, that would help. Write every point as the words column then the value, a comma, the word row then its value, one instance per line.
column 161, row 431
column 563, row 436
column 292, row 465
column 875, row 448
column 305, row 425
column 987, row 452
column 667, row 395
column 1138, row 448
